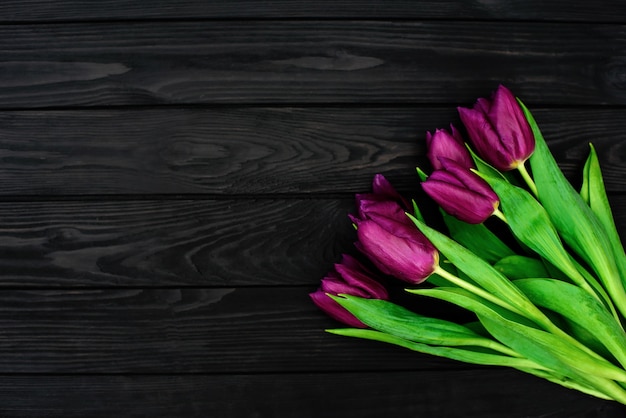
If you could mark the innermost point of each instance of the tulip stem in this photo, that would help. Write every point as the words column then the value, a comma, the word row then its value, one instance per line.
column 500, row 215
column 541, row 320
column 529, row 181
column 477, row 290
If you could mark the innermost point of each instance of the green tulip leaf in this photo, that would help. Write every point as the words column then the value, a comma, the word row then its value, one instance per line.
column 577, row 224
column 553, row 352
column 416, row 211
column 594, row 193
column 482, row 165
column 578, row 306
column 481, row 272
column 520, row 267
column 473, row 303
column 544, row 348
column 422, row 175
column 478, row 239
column 531, row 224
column 487, row 169
column 392, row 319
column 473, row 355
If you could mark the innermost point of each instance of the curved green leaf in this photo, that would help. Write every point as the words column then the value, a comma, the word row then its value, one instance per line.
column 466, row 354
column 481, row 272
column 478, row 239
column 577, row 224
column 579, row 307
column 520, row 267
column 542, row 347
column 392, row 319
column 594, row 193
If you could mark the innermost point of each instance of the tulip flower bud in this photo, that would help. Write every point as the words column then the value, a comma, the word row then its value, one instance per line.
column 396, row 248
column 350, row 277
column 499, row 131
column 461, row 193
column 384, row 200
column 382, row 191
column 447, row 145
column 389, row 238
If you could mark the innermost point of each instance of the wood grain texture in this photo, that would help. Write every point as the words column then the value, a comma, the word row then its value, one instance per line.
column 155, row 243
column 206, row 243
column 437, row 393
column 308, row 62
column 181, row 331
column 69, row 10
column 259, row 150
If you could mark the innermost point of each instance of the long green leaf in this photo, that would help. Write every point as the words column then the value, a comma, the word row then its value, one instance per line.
column 579, row 307
column 546, row 349
column 481, row 272
column 478, row 239
column 392, row 319
column 469, row 355
column 466, row 354
column 520, row 267
column 538, row 345
column 532, row 225
column 595, row 193
column 575, row 221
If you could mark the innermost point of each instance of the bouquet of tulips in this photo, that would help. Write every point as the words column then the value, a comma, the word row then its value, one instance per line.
column 549, row 300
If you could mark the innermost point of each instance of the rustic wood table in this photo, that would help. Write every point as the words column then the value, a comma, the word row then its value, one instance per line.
column 175, row 178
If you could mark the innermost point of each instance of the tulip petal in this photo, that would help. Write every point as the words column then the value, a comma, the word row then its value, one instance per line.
column 460, row 202
column 360, row 279
column 483, row 137
column 461, row 193
column 498, row 130
column 508, row 120
column 382, row 187
column 471, row 180
column 387, row 208
column 336, row 287
column 334, row 310
column 443, row 144
column 411, row 259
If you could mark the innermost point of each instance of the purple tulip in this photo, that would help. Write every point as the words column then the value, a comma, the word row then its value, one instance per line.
column 461, row 193
column 388, row 237
column 382, row 191
column 396, row 246
column 350, row 277
column 447, row 145
column 498, row 130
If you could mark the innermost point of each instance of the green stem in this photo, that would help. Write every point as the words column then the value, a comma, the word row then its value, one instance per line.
column 570, row 384
column 607, row 301
column 535, row 315
column 526, row 176
column 496, row 346
column 498, row 214
column 608, row 387
column 587, row 283
column 477, row 291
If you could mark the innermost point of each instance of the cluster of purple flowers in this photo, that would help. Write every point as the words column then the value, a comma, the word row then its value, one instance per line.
column 499, row 132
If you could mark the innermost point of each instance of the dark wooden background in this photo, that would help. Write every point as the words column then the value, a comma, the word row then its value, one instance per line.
column 175, row 178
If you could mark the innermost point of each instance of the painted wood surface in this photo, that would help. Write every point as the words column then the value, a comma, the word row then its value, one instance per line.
column 317, row 61
column 176, row 178
column 72, row 10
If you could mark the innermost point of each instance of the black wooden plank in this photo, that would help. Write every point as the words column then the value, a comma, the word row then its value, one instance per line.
column 178, row 331
column 188, row 243
column 262, row 242
column 258, row 150
column 308, row 61
column 66, row 10
column 493, row 393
